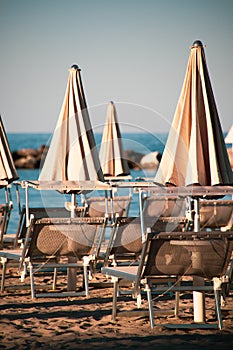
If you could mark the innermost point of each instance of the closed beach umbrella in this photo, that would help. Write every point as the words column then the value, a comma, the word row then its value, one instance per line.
column 195, row 152
column 111, row 150
column 72, row 155
column 8, row 171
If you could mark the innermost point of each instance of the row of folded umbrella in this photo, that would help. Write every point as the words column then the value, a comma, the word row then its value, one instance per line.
column 195, row 151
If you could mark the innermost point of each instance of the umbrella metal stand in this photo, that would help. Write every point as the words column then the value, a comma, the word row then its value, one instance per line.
column 198, row 297
column 72, row 271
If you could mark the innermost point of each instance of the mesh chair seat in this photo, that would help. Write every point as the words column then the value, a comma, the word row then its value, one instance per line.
column 97, row 206
column 215, row 213
column 163, row 207
column 172, row 254
column 63, row 237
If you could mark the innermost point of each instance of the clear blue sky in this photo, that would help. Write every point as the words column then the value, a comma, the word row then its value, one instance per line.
column 132, row 52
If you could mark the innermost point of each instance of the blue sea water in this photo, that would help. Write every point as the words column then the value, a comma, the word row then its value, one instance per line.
column 142, row 143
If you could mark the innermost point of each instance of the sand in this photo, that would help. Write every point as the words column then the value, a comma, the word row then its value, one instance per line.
column 85, row 322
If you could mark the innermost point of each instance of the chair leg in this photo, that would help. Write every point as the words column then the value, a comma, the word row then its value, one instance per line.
column 114, row 300
column 218, row 308
column 149, row 298
column 32, row 281
column 85, row 276
column 4, row 262
column 177, row 304
column 54, row 278
column 23, row 273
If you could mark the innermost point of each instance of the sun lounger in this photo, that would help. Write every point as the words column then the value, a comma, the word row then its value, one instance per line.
column 119, row 206
column 177, row 254
column 37, row 212
column 153, row 205
column 125, row 243
column 50, row 242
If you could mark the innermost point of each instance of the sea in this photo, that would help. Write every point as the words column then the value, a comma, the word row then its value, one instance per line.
column 138, row 142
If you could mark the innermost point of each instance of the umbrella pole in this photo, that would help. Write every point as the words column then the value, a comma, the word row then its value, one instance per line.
column 141, row 216
column 111, row 205
column 27, row 205
column 18, row 197
column 73, row 205
column 106, row 203
column 72, row 271
column 198, row 297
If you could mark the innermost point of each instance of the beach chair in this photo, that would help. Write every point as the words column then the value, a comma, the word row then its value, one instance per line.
column 48, row 245
column 153, row 205
column 171, row 208
column 110, row 207
column 118, row 206
column 216, row 214
column 177, row 254
column 125, row 243
column 37, row 212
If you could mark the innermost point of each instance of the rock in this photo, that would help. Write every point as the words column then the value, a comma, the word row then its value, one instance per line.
column 150, row 160
column 133, row 158
column 29, row 158
column 25, row 152
column 28, row 162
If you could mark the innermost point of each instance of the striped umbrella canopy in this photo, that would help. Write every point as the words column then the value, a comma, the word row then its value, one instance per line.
column 8, row 171
column 111, row 149
column 72, row 155
column 195, row 151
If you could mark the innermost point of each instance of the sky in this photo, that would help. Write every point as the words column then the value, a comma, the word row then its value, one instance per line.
column 134, row 53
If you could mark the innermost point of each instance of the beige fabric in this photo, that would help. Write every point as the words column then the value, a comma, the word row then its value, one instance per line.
column 195, row 152
column 73, row 154
column 7, row 168
column 111, row 150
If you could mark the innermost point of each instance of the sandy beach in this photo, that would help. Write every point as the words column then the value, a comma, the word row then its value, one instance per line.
column 85, row 322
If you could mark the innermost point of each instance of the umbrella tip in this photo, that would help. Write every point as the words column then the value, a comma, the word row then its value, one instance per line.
column 197, row 43
column 75, row 66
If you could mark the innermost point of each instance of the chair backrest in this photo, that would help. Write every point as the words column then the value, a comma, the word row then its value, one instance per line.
column 193, row 254
column 127, row 236
column 38, row 213
column 97, row 206
column 62, row 237
column 163, row 206
column 5, row 212
column 215, row 213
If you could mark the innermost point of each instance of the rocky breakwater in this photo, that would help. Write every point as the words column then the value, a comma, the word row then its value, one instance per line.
column 31, row 158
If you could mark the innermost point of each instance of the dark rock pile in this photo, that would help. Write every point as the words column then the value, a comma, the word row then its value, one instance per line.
column 31, row 158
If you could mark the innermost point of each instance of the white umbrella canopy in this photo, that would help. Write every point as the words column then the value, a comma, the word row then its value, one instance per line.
column 111, row 149
column 195, row 152
column 229, row 139
column 8, row 172
column 72, row 155
column 229, row 136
